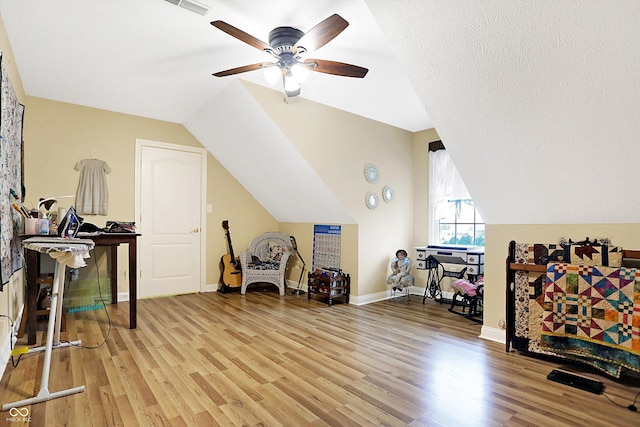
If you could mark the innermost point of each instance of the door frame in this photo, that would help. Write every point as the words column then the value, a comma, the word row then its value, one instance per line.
column 140, row 143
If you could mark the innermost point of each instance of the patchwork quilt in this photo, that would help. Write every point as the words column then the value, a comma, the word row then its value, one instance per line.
column 610, row 256
column 538, row 253
column 529, row 290
column 593, row 312
column 529, row 287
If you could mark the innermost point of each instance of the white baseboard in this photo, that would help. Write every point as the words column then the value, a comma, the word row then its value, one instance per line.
column 8, row 343
column 493, row 334
column 209, row 287
column 369, row 298
column 124, row 296
column 292, row 284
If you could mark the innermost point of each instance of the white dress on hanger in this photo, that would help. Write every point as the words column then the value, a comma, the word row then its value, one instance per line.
column 92, row 197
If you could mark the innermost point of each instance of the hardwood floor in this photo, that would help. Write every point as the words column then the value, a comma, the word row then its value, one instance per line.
column 226, row 359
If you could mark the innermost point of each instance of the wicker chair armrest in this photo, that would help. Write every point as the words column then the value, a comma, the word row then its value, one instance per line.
column 283, row 261
column 245, row 258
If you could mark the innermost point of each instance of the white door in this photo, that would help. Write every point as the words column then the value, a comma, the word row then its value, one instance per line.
column 169, row 201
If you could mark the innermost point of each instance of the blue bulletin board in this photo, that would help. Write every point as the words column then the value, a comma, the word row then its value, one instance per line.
column 326, row 246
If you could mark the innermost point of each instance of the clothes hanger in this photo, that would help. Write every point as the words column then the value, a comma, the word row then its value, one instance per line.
column 93, row 156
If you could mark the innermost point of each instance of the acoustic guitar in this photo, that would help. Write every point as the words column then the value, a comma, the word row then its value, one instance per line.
column 231, row 273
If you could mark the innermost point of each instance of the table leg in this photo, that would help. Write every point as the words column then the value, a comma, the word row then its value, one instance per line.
column 32, row 295
column 113, row 278
column 133, row 280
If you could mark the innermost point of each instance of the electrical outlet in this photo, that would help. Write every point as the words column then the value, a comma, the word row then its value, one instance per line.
column 209, row 208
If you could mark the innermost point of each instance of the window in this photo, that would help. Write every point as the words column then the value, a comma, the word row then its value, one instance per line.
column 453, row 217
column 461, row 224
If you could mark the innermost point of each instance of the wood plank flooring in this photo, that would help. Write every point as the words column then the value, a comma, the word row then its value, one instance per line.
column 262, row 360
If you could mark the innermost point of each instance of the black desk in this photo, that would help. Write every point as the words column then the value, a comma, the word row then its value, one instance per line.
column 113, row 240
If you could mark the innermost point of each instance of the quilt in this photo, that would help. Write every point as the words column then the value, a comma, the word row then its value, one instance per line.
column 610, row 256
column 529, row 297
column 529, row 293
column 11, row 223
column 592, row 314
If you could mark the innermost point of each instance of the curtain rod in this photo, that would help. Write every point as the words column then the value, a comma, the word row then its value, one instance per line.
column 436, row 145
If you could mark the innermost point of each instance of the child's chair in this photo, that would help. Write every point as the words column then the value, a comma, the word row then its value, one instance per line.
column 400, row 279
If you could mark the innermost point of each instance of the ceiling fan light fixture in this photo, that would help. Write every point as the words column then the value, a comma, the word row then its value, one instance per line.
column 272, row 74
column 292, row 94
column 300, row 72
column 291, row 85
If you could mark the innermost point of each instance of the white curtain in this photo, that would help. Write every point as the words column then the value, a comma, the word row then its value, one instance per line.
column 445, row 184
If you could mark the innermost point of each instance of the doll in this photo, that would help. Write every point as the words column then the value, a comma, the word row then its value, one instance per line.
column 400, row 271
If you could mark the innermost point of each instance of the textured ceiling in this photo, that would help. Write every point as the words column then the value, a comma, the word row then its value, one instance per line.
column 537, row 101
column 153, row 59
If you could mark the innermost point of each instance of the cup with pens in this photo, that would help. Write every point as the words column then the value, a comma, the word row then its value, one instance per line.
column 32, row 224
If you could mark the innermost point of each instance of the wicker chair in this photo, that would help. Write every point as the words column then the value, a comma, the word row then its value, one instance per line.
column 265, row 261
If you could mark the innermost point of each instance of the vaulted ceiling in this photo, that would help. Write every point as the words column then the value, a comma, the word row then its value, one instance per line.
column 152, row 58
column 537, row 102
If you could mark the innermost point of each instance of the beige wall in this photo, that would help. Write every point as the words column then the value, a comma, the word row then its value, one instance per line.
column 10, row 64
column 57, row 135
column 338, row 145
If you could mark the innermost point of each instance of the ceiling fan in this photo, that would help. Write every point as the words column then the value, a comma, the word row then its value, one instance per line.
column 288, row 46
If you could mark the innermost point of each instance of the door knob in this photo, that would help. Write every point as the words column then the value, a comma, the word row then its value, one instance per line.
column 195, row 230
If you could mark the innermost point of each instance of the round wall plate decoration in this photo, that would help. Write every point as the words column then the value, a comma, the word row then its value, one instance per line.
column 387, row 194
column 371, row 173
column 371, row 200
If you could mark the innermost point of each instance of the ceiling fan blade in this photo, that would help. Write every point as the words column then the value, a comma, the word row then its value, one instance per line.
column 241, row 35
column 337, row 68
column 242, row 69
column 322, row 33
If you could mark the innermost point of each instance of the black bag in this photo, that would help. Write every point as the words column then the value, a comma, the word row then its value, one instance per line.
column 120, row 227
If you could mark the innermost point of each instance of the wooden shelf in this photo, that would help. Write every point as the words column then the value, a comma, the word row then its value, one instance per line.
column 338, row 286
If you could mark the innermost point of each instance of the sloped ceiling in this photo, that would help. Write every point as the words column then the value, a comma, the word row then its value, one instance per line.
column 151, row 58
column 275, row 173
column 154, row 59
column 538, row 102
